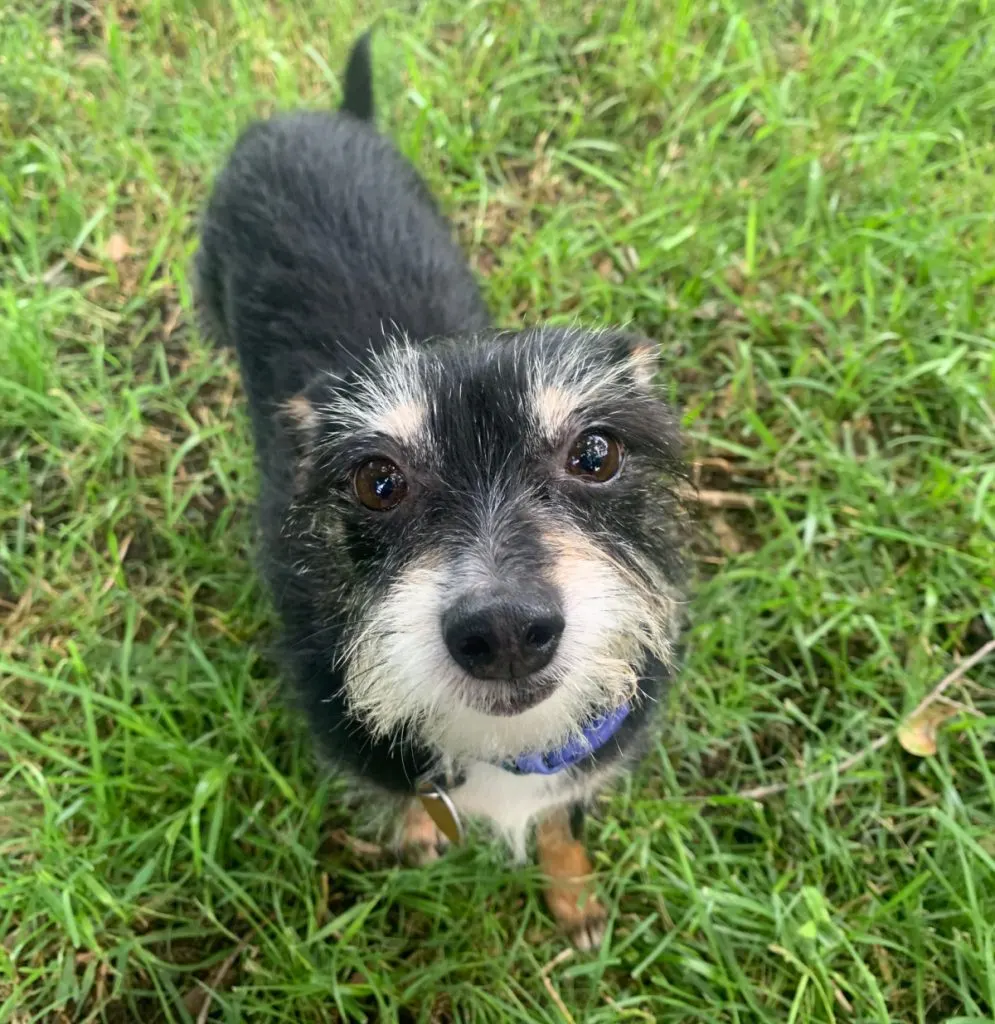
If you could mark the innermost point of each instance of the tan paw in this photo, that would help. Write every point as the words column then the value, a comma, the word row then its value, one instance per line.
column 589, row 932
column 578, row 912
column 569, row 894
column 419, row 840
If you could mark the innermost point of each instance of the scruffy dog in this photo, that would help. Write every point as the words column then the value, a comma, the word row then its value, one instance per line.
column 472, row 535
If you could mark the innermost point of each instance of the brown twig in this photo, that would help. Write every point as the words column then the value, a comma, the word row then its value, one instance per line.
column 762, row 792
column 564, row 954
column 948, row 680
column 720, row 499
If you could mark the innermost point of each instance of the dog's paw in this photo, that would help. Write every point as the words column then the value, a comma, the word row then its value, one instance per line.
column 586, row 930
column 419, row 840
column 419, row 854
column 579, row 914
column 569, row 883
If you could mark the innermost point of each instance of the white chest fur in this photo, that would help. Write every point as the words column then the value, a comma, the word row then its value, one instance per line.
column 512, row 802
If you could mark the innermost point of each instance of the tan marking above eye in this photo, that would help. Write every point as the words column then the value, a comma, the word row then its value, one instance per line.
column 405, row 422
column 555, row 407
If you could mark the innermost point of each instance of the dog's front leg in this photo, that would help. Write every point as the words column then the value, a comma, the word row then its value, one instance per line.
column 419, row 840
column 569, row 894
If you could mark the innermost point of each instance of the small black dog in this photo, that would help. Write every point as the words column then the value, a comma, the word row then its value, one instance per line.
column 471, row 535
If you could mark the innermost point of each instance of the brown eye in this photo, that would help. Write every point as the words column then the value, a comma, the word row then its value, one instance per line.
column 595, row 457
column 380, row 485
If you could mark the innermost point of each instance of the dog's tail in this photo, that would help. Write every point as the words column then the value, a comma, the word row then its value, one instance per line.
column 358, row 92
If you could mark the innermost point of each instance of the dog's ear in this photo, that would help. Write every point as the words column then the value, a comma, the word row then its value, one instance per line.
column 300, row 423
column 642, row 355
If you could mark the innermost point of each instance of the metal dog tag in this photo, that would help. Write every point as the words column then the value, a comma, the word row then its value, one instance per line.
column 442, row 811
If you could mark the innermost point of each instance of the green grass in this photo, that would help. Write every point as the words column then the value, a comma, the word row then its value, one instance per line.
column 796, row 199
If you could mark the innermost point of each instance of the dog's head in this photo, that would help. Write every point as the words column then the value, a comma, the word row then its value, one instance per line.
column 496, row 530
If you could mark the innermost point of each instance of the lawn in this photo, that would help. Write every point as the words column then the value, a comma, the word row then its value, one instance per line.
column 796, row 200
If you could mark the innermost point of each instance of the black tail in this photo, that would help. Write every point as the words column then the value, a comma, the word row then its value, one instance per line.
column 358, row 93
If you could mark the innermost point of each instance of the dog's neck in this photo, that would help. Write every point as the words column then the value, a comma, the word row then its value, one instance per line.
column 592, row 738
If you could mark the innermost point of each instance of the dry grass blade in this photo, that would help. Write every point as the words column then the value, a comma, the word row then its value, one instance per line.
column 198, row 1000
column 560, row 958
column 719, row 499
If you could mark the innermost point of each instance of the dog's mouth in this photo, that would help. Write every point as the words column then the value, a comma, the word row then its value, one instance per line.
column 503, row 699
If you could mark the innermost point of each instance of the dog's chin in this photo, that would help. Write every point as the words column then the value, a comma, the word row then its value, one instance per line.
column 506, row 698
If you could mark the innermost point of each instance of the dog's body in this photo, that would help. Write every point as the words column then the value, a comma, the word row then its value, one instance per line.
column 466, row 532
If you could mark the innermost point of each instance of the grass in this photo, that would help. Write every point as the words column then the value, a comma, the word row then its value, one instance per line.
column 796, row 200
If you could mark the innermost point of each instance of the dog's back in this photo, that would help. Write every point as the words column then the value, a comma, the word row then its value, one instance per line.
column 471, row 543
column 319, row 236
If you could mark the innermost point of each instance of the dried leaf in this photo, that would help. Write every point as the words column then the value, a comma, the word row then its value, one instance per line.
column 118, row 248
column 917, row 734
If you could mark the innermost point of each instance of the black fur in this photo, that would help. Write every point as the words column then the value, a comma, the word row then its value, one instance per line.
column 319, row 240
column 317, row 235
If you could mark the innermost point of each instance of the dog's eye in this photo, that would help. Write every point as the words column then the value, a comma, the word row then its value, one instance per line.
column 380, row 485
column 595, row 457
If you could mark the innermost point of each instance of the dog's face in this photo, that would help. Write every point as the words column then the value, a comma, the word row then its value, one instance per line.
column 496, row 532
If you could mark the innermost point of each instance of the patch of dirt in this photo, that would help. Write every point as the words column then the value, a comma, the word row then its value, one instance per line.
column 965, row 639
column 196, row 1000
column 84, row 20
column 439, row 1012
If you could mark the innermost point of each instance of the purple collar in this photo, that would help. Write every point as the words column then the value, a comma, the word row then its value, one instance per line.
column 595, row 735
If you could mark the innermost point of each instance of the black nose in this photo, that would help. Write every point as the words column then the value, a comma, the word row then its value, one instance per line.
column 502, row 637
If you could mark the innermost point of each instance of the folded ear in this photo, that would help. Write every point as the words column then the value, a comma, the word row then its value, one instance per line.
column 299, row 418
column 642, row 354
column 300, row 423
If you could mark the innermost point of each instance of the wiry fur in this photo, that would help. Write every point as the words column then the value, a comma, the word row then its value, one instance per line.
column 361, row 334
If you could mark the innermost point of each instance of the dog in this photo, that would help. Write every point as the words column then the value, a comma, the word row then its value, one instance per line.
column 473, row 537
